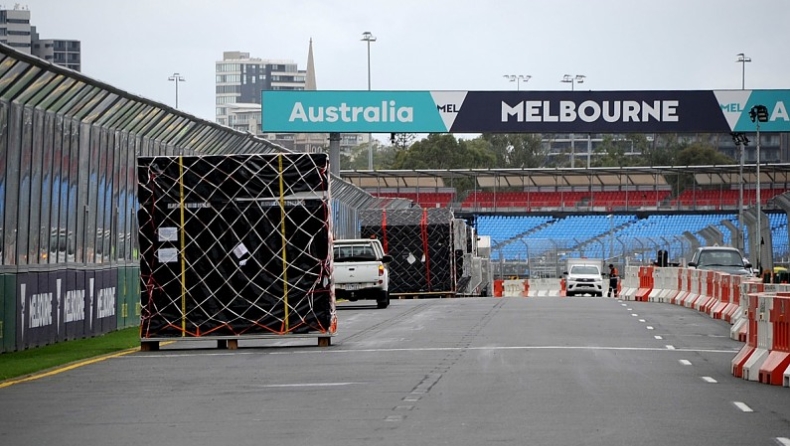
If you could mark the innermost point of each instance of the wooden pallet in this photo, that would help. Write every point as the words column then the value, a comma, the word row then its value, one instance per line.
column 232, row 342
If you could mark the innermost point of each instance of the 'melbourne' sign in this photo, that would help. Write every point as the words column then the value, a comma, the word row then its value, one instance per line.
column 521, row 111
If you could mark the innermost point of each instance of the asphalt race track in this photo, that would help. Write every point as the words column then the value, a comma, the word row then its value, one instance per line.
column 462, row 372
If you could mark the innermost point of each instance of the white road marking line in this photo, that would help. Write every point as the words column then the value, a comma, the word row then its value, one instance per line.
column 629, row 309
column 658, row 337
column 308, row 385
column 625, row 305
column 634, row 314
column 708, row 379
column 747, row 409
column 642, row 320
column 670, row 347
column 411, row 350
column 685, row 362
column 649, row 327
column 784, row 441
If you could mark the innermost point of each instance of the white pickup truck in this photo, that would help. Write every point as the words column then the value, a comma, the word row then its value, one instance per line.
column 584, row 276
column 361, row 271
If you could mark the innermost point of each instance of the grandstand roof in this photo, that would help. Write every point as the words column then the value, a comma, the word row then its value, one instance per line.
column 561, row 177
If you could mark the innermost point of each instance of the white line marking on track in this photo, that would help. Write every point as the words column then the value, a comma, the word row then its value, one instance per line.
column 745, row 408
column 649, row 327
column 670, row 347
column 625, row 305
column 658, row 337
column 685, row 362
column 262, row 352
column 642, row 320
column 634, row 314
column 629, row 309
column 708, row 379
column 784, row 441
column 308, row 385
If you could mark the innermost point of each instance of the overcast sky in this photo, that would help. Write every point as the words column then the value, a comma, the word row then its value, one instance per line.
column 427, row 44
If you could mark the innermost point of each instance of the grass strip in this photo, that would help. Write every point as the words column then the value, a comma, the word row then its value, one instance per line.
column 16, row 364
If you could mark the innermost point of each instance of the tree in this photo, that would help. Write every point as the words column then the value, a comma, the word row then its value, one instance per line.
column 516, row 150
column 611, row 152
column 696, row 154
column 702, row 154
column 402, row 141
column 357, row 158
column 443, row 151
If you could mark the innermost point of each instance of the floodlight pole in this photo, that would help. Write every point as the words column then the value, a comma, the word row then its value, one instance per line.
column 742, row 246
column 743, row 59
column 741, row 141
column 517, row 79
column 368, row 37
column 759, row 208
column 176, row 78
column 577, row 79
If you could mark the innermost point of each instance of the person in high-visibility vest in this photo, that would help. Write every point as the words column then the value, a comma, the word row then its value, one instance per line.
column 613, row 278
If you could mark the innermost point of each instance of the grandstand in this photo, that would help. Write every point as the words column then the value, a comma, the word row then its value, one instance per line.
column 539, row 217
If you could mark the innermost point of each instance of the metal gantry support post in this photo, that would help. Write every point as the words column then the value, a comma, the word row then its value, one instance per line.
column 334, row 154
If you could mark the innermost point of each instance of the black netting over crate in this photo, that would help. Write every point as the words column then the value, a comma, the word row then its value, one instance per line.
column 420, row 243
column 235, row 245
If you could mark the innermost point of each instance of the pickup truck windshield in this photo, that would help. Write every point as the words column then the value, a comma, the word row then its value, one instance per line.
column 354, row 253
column 584, row 269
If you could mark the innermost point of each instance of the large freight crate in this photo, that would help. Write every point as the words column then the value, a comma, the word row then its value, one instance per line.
column 420, row 242
column 235, row 246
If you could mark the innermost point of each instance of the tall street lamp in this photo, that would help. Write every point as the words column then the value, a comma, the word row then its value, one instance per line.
column 758, row 114
column 176, row 78
column 517, row 78
column 742, row 59
column 741, row 141
column 577, row 79
column 368, row 37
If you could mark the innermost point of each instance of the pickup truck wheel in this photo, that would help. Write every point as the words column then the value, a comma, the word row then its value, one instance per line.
column 384, row 300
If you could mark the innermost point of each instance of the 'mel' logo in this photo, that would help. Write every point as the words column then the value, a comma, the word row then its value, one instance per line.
column 733, row 107
column 448, row 108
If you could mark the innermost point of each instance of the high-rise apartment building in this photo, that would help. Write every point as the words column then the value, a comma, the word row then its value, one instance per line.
column 240, row 80
column 16, row 32
column 66, row 53
column 15, row 29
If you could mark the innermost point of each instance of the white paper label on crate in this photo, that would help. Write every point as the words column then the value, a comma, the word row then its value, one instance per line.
column 168, row 234
column 240, row 250
column 167, row 255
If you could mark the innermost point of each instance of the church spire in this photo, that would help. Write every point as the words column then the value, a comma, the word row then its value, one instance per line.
column 310, row 80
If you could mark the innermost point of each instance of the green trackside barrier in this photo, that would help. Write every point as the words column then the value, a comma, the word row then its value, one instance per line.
column 7, row 312
column 128, row 308
column 134, row 273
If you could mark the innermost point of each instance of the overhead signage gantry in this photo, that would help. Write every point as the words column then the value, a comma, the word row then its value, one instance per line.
column 683, row 111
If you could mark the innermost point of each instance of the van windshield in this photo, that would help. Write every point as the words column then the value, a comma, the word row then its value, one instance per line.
column 584, row 269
